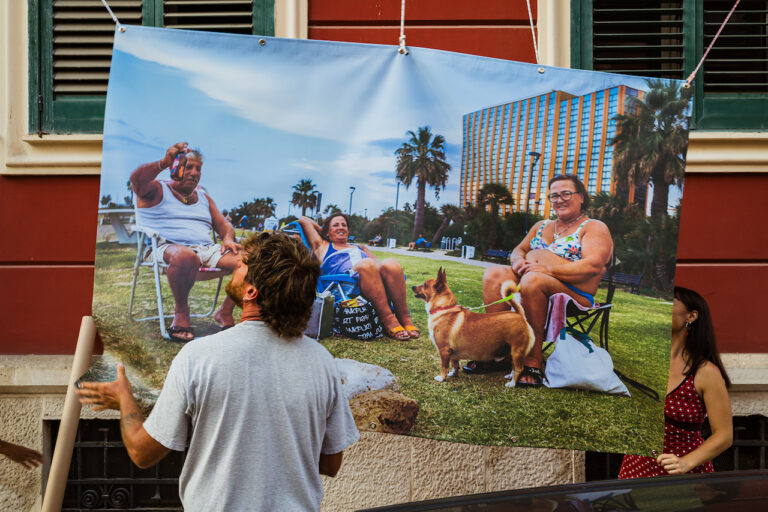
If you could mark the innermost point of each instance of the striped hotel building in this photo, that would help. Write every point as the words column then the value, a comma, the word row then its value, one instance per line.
column 571, row 133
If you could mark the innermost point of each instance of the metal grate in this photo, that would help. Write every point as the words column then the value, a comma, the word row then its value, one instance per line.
column 750, row 445
column 738, row 63
column 749, row 451
column 643, row 38
column 103, row 478
column 234, row 16
column 82, row 43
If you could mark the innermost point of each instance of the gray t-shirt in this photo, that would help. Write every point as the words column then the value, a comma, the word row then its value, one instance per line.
column 261, row 411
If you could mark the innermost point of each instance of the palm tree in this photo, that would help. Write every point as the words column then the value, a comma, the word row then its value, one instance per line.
column 651, row 141
column 304, row 195
column 330, row 208
column 422, row 157
column 264, row 207
column 450, row 212
column 106, row 199
column 493, row 195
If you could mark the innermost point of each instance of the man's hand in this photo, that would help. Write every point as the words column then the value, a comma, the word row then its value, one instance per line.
column 106, row 395
column 673, row 464
column 230, row 245
column 25, row 456
column 171, row 153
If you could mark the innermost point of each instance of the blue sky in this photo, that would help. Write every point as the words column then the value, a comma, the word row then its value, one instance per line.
column 267, row 116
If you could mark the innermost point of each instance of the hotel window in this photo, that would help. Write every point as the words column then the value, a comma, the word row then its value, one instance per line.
column 70, row 50
column 667, row 39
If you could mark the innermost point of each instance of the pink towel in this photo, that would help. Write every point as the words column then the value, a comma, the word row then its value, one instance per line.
column 556, row 313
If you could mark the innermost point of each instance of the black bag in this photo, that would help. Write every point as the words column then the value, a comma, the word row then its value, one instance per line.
column 356, row 318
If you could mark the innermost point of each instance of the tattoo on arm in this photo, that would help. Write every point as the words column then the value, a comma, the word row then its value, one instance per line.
column 130, row 422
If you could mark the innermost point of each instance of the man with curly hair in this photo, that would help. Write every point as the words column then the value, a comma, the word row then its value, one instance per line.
column 262, row 405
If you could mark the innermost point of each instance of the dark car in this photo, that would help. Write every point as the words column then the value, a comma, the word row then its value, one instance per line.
column 714, row 492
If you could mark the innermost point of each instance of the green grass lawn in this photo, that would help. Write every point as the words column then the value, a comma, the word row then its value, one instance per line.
column 475, row 409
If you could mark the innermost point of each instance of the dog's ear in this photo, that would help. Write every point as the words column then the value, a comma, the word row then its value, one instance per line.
column 440, row 284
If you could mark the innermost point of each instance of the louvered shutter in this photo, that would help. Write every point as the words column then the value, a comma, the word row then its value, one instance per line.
column 82, row 43
column 71, row 49
column 638, row 38
column 216, row 15
column 738, row 63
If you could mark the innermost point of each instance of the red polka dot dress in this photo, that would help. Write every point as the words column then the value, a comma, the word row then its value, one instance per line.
column 684, row 415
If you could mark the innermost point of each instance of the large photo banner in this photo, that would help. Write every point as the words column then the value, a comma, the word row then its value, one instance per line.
column 428, row 185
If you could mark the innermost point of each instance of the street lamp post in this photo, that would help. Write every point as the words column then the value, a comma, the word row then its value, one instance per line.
column 535, row 157
column 397, row 197
column 352, row 191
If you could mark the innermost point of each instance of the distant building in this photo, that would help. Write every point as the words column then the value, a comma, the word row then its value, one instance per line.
column 570, row 132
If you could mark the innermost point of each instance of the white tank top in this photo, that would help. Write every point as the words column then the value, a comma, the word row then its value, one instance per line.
column 184, row 224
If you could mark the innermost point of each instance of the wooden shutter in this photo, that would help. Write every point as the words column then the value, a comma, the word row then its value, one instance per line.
column 738, row 63
column 638, row 38
column 235, row 16
column 82, row 43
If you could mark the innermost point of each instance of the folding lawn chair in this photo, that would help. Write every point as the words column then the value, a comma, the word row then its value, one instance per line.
column 147, row 238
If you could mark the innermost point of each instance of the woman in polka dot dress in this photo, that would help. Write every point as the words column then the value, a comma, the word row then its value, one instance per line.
column 697, row 388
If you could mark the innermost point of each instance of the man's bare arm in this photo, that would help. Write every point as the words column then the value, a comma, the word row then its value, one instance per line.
column 27, row 457
column 330, row 464
column 143, row 450
column 223, row 228
column 143, row 181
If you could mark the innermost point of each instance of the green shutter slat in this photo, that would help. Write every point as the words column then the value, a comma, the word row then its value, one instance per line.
column 738, row 62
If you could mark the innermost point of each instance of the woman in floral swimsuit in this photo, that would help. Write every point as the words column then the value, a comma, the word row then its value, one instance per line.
column 566, row 255
column 698, row 388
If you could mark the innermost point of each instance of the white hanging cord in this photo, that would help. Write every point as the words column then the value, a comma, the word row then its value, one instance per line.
column 533, row 32
column 114, row 18
column 402, row 50
column 692, row 75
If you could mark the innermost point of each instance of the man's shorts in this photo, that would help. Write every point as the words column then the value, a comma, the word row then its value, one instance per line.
column 209, row 254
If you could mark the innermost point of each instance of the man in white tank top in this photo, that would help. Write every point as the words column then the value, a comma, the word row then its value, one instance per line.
column 184, row 214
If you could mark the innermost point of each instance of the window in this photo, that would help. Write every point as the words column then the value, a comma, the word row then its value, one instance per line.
column 102, row 477
column 71, row 47
column 666, row 39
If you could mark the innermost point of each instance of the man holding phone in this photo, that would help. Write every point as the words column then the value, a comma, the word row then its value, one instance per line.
column 184, row 214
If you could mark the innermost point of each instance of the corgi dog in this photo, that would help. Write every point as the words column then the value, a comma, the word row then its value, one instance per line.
column 461, row 334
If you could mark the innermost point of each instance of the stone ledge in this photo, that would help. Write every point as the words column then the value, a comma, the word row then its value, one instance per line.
column 748, row 372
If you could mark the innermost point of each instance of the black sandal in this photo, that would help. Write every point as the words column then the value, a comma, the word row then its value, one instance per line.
column 181, row 330
column 480, row 367
column 535, row 373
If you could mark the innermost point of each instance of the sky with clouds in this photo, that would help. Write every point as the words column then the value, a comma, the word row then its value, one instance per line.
column 267, row 116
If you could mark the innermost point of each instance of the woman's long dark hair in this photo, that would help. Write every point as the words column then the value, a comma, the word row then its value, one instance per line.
column 700, row 344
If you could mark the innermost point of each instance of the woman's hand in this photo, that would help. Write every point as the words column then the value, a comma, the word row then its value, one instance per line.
column 673, row 464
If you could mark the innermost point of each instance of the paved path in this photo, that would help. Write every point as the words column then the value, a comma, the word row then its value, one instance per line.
column 434, row 255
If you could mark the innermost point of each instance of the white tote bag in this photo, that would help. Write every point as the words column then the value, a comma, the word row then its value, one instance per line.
column 578, row 363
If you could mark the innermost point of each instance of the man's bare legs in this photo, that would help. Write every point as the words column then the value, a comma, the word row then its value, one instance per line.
column 183, row 265
column 223, row 315
column 182, row 270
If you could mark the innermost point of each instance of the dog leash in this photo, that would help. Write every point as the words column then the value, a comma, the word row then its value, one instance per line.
column 505, row 299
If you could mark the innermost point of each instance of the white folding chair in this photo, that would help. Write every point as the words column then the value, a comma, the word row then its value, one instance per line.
column 148, row 238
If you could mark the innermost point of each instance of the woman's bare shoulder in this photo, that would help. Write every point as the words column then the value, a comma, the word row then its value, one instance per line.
column 707, row 375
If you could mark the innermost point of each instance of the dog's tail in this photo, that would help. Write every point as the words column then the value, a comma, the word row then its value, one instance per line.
column 508, row 288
